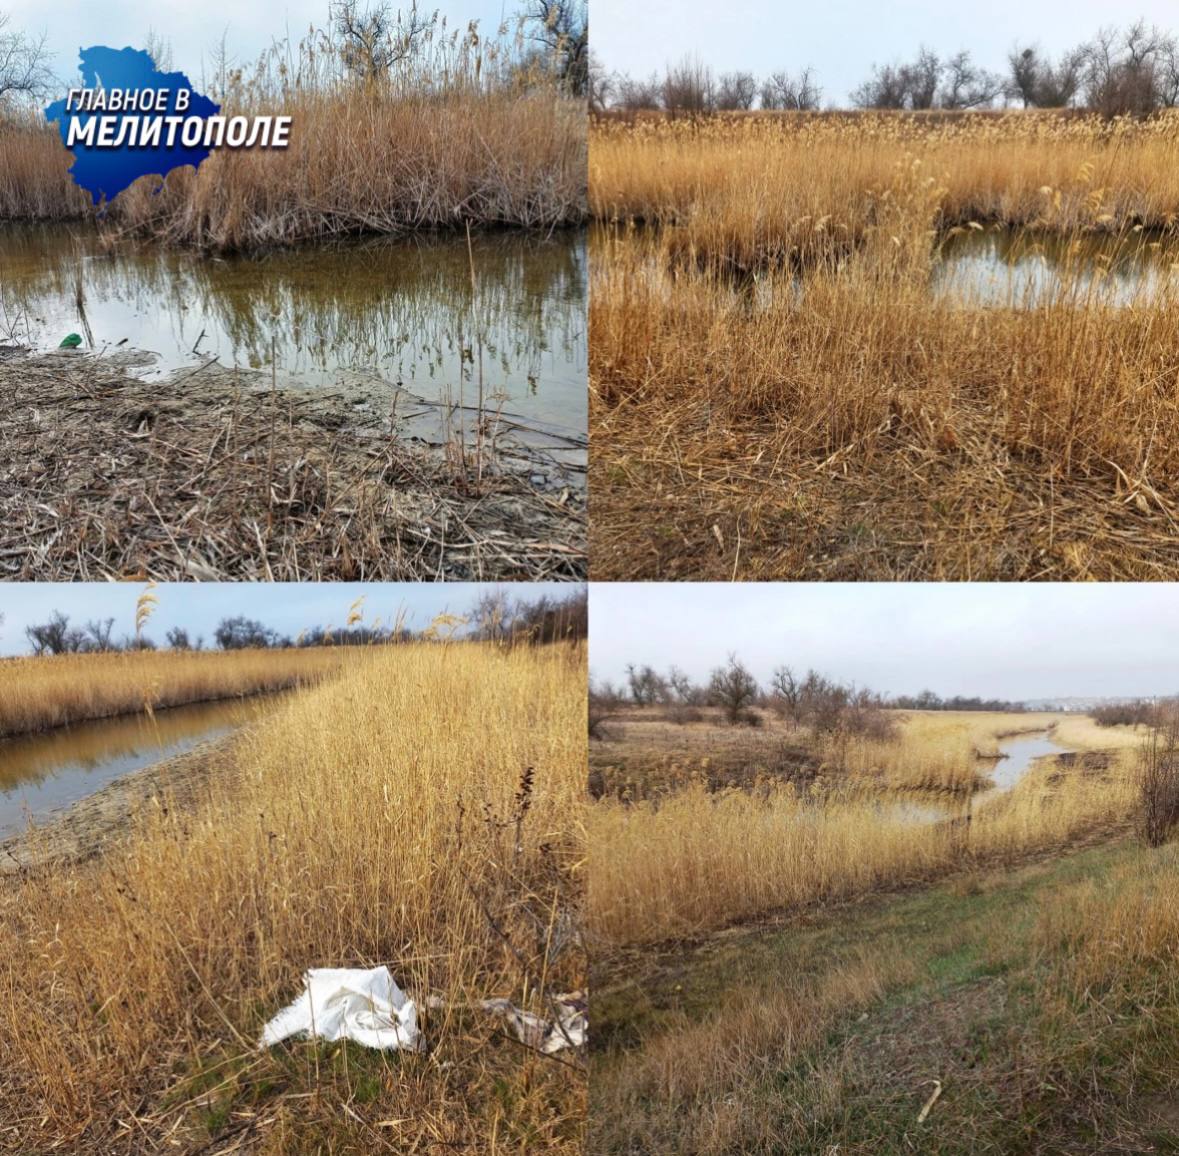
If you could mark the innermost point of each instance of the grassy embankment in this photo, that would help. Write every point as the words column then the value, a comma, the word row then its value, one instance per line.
column 449, row 136
column 1023, row 962
column 39, row 693
column 778, row 391
column 421, row 810
column 1040, row 998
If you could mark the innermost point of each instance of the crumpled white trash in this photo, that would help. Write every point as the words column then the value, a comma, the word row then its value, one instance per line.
column 341, row 1003
column 569, row 1030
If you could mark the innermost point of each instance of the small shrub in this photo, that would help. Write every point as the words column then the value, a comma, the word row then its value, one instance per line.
column 1159, row 784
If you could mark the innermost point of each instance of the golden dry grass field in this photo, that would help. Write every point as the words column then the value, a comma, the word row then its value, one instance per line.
column 50, row 691
column 420, row 808
column 797, row 946
column 796, row 820
column 783, row 385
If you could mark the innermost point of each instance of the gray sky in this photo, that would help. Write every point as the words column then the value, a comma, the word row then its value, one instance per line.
column 286, row 607
column 992, row 640
column 193, row 28
column 842, row 39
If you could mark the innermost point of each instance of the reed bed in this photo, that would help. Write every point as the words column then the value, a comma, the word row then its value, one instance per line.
column 937, row 753
column 421, row 810
column 34, row 181
column 37, row 694
column 778, row 392
column 457, row 133
column 753, row 191
column 694, row 859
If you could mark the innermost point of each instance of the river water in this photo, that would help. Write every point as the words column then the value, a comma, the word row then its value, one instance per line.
column 43, row 773
column 404, row 311
column 1023, row 268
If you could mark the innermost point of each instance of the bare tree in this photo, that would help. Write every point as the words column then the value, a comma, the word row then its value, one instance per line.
column 689, row 87
column 373, row 40
column 733, row 688
column 561, row 27
column 896, row 86
column 923, row 77
column 636, row 95
column 646, row 685
column 801, row 93
column 1125, row 72
column 736, row 91
column 786, row 694
column 1159, row 782
column 178, row 638
column 680, row 684
column 54, row 636
column 24, row 65
column 100, row 634
column 1024, row 67
column 965, row 85
column 1036, row 82
column 601, row 85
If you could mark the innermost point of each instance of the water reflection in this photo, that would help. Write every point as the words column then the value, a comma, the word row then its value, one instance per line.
column 42, row 773
column 1024, row 268
column 404, row 309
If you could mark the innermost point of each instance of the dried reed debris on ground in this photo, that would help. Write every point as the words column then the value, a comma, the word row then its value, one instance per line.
column 213, row 476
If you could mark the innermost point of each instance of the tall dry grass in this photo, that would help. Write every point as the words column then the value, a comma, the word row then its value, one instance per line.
column 457, row 132
column 39, row 693
column 422, row 810
column 696, row 860
column 364, row 162
column 34, row 182
column 751, row 191
column 779, row 392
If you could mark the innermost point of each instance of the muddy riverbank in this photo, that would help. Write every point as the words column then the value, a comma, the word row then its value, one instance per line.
column 91, row 824
column 229, row 474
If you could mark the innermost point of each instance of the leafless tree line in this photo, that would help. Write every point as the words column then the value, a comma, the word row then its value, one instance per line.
column 1120, row 71
column 810, row 700
column 691, row 87
column 494, row 616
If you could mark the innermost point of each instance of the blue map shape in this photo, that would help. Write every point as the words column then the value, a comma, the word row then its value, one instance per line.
column 106, row 172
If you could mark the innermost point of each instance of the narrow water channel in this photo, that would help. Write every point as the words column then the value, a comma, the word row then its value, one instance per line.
column 44, row 773
column 1021, row 752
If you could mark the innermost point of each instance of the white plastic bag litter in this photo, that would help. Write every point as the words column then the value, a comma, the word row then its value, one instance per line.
column 569, row 1030
column 349, row 1003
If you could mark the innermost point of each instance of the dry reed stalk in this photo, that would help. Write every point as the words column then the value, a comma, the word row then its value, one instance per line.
column 127, row 482
column 693, row 859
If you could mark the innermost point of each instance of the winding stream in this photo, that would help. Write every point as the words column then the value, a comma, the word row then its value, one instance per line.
column 1021, row 753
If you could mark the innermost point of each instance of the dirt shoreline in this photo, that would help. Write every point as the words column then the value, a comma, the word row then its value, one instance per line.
column 220, row 474
column 86, row 828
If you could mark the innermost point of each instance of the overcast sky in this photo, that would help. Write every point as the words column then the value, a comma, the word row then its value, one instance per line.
column 992, row 640
column 192, row 29
column 286, row 607
column 842, row 39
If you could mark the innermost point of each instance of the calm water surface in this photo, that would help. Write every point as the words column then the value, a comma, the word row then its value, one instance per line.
column 403, row 310
column 41, row 774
